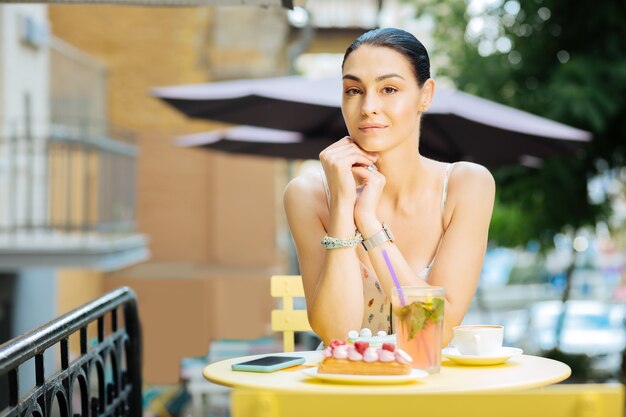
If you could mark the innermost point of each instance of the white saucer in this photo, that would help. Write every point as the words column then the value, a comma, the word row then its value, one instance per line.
column 503, row 355
column 367, row 379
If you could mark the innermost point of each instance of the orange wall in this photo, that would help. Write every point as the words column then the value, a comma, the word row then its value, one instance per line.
column 244, row 200
column 173, row 205
column 144, row 48
column 196, row 206
column 204, row 211
column 77, row 287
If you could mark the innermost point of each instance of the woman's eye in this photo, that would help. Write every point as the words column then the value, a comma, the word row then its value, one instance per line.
column 352, row 91
column 389, row 90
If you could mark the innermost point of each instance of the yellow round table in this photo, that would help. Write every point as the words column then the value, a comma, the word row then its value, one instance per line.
column 519, row 372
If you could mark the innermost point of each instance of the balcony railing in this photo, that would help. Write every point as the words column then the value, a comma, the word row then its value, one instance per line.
column 71, row 182
column 67, row 180
column 80, row 179
column 78, row 90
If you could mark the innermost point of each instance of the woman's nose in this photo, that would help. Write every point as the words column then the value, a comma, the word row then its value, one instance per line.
column 370, row 104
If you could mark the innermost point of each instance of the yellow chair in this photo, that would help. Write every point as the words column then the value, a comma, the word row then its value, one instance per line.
column 588, row 400
column 288, row 320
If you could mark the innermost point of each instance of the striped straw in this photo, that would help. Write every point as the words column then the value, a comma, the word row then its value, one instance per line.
column 394, row 277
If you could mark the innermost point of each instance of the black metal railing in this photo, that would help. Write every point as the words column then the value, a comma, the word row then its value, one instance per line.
column 71, row 391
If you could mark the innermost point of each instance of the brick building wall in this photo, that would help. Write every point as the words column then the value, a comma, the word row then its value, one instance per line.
column 208, row 215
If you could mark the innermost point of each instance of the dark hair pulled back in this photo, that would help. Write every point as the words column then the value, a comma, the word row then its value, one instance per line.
column 400, row 41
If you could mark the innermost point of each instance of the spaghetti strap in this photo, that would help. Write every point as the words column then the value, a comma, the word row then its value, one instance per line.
column 444, row 193
column 326, row 189
column 444, row 196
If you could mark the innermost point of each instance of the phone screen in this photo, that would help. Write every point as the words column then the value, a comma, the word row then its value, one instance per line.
column 270, row 360
column 268, row 364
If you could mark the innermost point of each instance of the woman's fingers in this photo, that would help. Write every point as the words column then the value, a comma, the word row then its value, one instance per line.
column 338, row 161
column 367, row 176
column 347, row 147
column 346, row 157
column 334, row 146
column 349, row 157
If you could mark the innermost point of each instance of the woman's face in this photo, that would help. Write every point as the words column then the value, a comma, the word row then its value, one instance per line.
column 382, row 101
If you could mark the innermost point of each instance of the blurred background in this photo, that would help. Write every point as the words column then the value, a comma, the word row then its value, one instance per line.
column 95, row 193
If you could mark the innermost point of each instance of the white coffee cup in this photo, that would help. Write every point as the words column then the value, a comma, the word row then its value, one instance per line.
column 478, row 340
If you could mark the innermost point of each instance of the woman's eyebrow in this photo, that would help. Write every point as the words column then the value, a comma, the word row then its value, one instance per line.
column 379, row 78
column 351, row 77
column 392, row 75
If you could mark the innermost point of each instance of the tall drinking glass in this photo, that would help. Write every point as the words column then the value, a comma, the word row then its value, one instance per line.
column 418, row 324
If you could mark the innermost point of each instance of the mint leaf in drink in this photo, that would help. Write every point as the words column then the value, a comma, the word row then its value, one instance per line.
column 416, row 319
column 417, row 314
column 413, row 317
column 434, row 312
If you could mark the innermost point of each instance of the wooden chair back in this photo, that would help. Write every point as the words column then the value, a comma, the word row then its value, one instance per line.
column 288, row 320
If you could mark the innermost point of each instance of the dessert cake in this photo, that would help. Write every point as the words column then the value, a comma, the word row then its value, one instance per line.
column 365, row 335
column 362, row 359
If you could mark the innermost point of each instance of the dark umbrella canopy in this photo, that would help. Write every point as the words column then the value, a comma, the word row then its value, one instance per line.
column 291, row 103
column 458, row 126
column 250, row 140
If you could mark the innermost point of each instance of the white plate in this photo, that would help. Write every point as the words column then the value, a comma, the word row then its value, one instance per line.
column 367, row 379
column 503, row 355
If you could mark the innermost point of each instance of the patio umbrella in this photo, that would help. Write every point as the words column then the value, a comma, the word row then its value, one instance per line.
column 458, row 126
column 251, row 140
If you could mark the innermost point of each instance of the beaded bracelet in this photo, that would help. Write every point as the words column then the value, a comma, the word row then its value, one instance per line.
column 334, row 243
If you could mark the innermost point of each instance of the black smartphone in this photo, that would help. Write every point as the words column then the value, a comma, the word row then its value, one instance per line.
column 268, row 364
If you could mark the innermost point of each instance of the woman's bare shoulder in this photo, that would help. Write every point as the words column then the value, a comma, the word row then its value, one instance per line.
column 471, row 182
column 305, row 190
column 305, row 185
column 472, row 175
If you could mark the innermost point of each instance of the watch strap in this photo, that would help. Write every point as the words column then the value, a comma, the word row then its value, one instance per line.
column 382, row 236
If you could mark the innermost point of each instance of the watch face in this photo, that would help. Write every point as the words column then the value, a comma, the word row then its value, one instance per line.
column 383, row 236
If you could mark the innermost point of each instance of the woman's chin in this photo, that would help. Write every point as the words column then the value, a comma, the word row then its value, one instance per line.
column 372, row 144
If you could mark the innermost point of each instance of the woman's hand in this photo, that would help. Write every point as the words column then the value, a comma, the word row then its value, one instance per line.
column 339, row 161
column 373, row 183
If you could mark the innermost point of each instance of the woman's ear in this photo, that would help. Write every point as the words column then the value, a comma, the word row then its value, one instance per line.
column 428, row 90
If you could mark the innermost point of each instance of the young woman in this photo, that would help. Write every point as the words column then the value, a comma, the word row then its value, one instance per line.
column 431, row 218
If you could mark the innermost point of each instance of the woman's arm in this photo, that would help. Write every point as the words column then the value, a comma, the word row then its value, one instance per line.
column 461, row 253
column 331, row 277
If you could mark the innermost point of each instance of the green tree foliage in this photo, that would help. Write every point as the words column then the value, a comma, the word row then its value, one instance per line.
column 555, row 58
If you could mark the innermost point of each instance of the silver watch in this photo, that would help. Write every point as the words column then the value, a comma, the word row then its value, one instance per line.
column 381, row 237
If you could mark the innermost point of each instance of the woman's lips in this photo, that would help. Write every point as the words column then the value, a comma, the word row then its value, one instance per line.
column 369, row 128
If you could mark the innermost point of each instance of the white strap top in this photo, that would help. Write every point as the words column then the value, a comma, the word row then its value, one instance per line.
column 377, row 305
